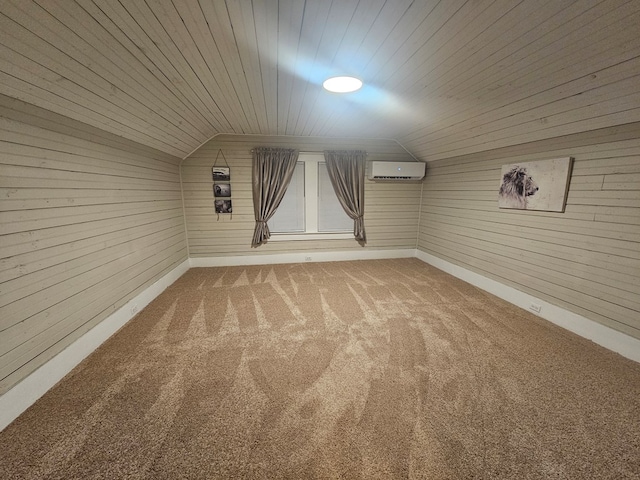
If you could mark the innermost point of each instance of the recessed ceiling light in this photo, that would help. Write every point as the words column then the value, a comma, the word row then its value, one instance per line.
column 342, row 84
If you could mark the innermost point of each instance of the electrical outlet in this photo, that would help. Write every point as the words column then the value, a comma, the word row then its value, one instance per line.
column 134, row 309
column 307, row 259
column 534, row 307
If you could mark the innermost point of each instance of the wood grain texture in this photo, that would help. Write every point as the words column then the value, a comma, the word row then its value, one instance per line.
column 586, row 259
column 442, row 78
column 88, row 221
column 391, row 210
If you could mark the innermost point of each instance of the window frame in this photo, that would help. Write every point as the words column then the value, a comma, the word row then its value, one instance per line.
column 311, row 188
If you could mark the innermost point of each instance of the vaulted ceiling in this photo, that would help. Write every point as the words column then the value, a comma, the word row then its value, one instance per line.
column 441, row 77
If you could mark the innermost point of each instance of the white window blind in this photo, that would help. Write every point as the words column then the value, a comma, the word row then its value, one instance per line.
column 310, row 205
column 331, row 215
column 289, row 218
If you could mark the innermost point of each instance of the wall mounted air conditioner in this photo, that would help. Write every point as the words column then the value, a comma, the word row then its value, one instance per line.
column 396, row 171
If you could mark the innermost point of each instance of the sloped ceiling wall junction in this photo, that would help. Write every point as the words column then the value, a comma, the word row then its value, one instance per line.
column 442, row 78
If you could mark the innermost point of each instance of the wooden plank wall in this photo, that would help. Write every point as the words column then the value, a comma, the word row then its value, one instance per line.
column 391, row 209
column 586, row 260
column 88, row 220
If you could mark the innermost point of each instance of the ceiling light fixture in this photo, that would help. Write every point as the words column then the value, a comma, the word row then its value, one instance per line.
column 342, row 84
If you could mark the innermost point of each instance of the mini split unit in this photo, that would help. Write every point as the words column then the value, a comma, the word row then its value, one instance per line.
column 396, row 171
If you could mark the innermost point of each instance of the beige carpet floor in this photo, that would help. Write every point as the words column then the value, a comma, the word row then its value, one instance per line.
column 357, row 370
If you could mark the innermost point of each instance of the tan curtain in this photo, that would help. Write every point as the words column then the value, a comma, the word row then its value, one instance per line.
column 346, row 172
column 272, row 172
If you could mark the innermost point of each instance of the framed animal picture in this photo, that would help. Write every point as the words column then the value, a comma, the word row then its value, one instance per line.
column 539, row 185
column 222, row 190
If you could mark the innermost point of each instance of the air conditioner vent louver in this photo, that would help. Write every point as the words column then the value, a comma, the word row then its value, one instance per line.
column 396, row 171
column 379, row 177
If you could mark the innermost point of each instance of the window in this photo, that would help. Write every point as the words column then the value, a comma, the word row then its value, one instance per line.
column 310, row 209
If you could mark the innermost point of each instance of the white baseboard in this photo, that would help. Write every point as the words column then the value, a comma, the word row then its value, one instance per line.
column 609, row 338
column 301, row 257
column 25, row 393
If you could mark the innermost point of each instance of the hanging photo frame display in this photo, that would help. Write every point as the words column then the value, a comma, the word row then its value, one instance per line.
column 223, row 206
column 221, row 177
column 221, row 190
column 221, row 174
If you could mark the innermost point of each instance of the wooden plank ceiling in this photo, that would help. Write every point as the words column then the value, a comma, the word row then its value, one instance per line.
column 442, row 78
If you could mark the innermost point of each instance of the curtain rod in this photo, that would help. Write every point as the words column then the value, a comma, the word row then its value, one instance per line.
column 316, row 152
